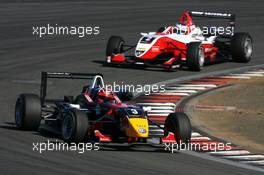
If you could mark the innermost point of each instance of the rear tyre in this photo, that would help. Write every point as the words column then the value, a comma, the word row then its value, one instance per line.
column 195, row 56
column 241, row 47
column 115, row 45
column 75, row 127
column 179, row 124
column 28, row 112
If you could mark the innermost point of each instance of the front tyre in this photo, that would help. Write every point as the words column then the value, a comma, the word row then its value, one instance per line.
column 161, row 29
column 179, row 124
column 115, row 45
column 28, row 112
column 241, row 47
column 75, row 127
column 195, row 56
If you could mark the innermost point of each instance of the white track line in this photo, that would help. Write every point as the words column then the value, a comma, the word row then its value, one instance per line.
column 189, row 88
column 161, row 115
column 180, row 91
column 159, row 130
column 179, row 94
column 241, row 76
column 234, row 77
column 154, row 126
column 162, row 107
column 161, row 111
column 200, row 138
column 245, row 157
column 258, row 162
column 232, row 152
column 256, row 72
column 249, row 75
column 196, row 134
column 199, row 85
column 157, row 104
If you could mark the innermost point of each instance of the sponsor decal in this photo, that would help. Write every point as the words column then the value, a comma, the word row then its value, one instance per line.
column 211, row 14
column 141, row 49
column 142, row 130
column 155, row 49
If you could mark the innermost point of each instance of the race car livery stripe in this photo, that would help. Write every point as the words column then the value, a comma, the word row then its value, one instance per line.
column 177, row 97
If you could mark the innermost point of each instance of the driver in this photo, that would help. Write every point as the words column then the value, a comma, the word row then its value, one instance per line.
column 100, row 95
column 182, row 29
column 102, row 99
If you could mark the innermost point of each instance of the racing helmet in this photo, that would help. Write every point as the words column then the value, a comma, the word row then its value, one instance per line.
column 94, row 92
column 105, row 96
column 181, row 29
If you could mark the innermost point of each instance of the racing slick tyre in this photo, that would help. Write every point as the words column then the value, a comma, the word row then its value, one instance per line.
column 75, row 127
column 195, row 56
column 241, row 47
column 179, row 124
column 114, row 45
column 28, row 112
column 161, row 29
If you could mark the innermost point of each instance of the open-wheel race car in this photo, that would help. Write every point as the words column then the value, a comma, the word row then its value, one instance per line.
column 183, row 45
column 96, row 114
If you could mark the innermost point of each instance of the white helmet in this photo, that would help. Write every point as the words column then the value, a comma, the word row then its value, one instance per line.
column 184, row 29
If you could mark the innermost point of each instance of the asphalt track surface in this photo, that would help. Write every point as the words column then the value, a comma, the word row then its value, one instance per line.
column 23, row 56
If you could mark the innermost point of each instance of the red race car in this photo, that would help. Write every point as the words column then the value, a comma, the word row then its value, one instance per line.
column 183, row 45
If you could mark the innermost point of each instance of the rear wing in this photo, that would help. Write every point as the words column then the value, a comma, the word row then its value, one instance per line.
column 229, row 16
column 97, row 80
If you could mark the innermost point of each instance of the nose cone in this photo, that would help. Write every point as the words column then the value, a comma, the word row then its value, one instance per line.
column 141, row 49
column 138, row 127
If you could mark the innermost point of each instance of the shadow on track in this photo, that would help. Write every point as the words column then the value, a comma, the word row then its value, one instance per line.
column 108, row 147
column 9, row 125
column 157, row 69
